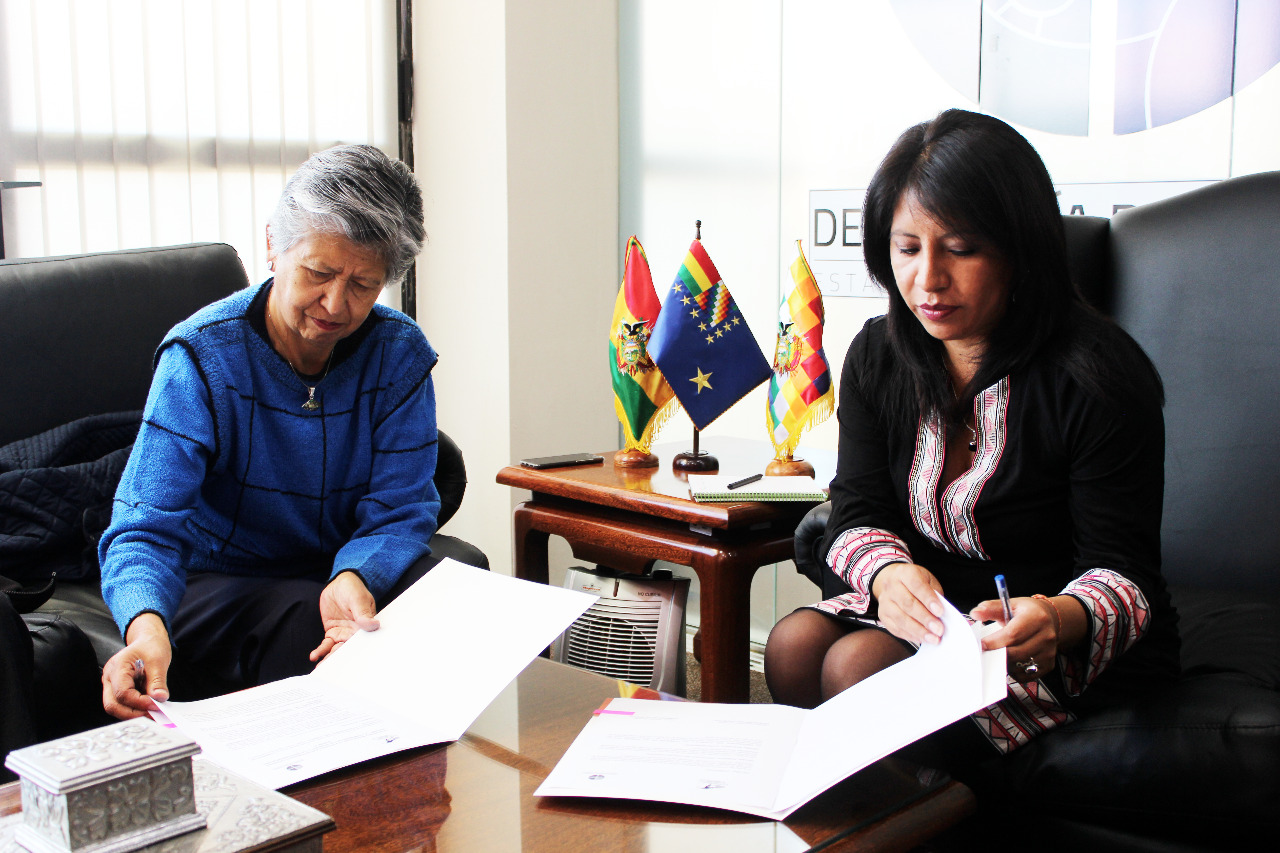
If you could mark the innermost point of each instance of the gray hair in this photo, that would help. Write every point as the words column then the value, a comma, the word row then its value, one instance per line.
column 360, row 193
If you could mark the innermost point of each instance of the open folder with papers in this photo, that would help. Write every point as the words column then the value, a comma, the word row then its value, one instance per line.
column 769, row 760
column 439, row 658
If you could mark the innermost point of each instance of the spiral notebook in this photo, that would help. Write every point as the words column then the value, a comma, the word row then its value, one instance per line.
column 714, row 488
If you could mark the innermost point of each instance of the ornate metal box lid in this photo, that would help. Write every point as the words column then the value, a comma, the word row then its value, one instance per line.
column 78, row 761
column 242, row 818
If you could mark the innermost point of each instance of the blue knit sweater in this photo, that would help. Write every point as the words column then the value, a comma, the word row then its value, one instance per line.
column 230, row 474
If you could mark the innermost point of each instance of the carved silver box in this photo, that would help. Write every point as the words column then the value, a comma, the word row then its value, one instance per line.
column 109, row 790
column 243, row 818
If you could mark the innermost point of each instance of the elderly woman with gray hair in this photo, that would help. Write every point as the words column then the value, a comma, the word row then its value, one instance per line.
column 280, row 489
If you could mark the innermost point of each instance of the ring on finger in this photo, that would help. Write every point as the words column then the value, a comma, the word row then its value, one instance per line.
column 1028, row 666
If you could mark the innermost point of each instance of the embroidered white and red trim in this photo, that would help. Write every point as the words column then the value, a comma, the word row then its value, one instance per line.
column 1118, row 617
column 949, row 523
column 922, row 481
column 855, row 556
column 1029, row 710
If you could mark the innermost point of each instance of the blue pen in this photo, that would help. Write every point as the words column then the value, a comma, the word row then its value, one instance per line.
column 1003, row 590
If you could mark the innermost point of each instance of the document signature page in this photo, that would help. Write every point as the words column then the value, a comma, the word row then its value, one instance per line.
column 769, row 760
column 290, row 730
column 933, row 688
column 433, row 665
column 685, row 752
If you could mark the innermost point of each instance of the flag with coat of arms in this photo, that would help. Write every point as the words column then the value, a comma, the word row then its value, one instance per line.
column 800, row 392
column 641, row 396
column 702, row 344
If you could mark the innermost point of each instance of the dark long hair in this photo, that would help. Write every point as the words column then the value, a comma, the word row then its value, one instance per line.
column 979, row 176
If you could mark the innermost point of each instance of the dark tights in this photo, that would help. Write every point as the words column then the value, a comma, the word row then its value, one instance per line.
column 811, row 657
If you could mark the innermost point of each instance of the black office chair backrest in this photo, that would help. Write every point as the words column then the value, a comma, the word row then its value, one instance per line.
column 1196, row 281
column 77, row 333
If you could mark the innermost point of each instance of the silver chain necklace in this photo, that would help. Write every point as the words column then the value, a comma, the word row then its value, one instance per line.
column 312, row 403
column 973, row 442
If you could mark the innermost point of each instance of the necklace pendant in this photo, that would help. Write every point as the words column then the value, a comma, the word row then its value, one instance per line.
column 312, row 403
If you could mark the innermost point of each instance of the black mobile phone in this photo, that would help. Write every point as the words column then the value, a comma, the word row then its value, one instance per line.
column 562, row 461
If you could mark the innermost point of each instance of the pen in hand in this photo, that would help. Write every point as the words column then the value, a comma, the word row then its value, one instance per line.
column 745, row 481
column 1003, row 590
column 140, row 676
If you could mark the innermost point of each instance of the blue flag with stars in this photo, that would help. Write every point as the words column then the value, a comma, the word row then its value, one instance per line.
column 701, row 343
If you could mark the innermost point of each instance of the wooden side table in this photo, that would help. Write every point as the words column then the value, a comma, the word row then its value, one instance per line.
column 626, row 518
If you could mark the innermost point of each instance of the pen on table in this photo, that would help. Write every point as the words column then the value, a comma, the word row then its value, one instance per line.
column 745, row 481
column 1003, row 590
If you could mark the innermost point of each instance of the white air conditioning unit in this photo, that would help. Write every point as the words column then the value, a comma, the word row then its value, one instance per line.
column 634, row 631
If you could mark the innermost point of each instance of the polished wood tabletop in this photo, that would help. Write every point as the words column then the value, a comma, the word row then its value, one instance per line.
column 476, row 795
column 659, row 492
column 628, row 518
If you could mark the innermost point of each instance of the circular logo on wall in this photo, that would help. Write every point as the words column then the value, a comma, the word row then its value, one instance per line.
column 1049, row 64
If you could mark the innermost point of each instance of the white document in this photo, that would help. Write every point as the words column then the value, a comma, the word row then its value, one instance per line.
column 445, row 648
column 769, row 760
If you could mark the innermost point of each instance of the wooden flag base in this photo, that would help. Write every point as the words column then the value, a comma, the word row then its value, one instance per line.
column 634, row 458
column 697, row 462
column 789, row 467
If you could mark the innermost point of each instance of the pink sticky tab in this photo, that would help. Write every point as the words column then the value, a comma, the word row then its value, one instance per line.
column 607, row 711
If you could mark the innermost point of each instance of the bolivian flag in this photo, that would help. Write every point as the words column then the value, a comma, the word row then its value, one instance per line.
column 800, row 393
column 641, row 397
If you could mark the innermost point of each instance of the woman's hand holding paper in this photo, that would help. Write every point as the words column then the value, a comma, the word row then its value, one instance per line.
column 907, row 597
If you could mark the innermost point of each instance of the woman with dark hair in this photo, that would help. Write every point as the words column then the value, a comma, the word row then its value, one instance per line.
column 991, row 423
column 281, row 488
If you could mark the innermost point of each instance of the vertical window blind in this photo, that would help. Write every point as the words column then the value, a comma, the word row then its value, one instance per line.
column 157, row 122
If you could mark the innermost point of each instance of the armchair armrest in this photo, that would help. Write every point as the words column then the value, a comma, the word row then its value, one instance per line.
column 450, row 478
column 810, row 561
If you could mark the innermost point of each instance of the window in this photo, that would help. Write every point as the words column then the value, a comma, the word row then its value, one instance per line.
column 157, row 122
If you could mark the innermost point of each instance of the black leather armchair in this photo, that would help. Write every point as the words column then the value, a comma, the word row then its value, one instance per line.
column 77, row 338
column 1196, row 280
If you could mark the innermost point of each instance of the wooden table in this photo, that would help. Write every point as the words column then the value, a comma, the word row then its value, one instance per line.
column 626, row 518
column 477, row 794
